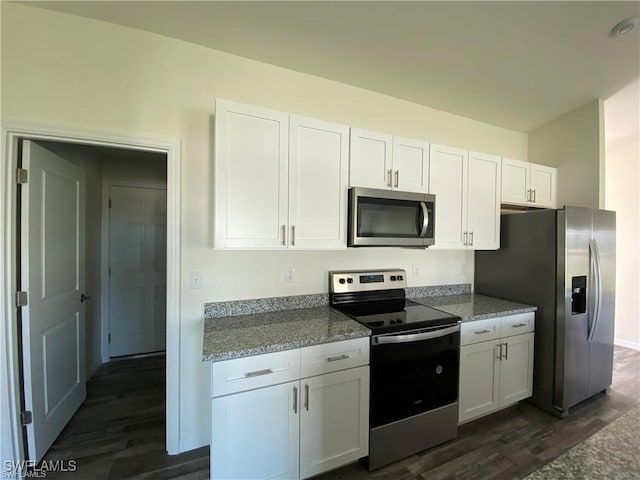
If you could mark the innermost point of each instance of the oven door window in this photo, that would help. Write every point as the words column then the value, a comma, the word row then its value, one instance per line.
column 380, row 217
column 412, row 378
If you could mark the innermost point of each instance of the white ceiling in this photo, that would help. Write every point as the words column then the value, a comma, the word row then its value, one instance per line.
column 512, row 64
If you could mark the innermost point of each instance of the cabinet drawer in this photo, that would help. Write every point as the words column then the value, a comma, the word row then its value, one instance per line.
column 242, row 374
column 479, row 331
column 331, row 357
column 517, row 324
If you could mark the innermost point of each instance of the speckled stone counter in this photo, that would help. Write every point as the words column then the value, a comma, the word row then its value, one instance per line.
column 610, row 453
column 471, row 307
column 246, row 335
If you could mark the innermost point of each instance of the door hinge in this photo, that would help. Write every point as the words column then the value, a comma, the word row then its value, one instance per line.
column 22, row 175
column 109, row 271
column 109, row 203
column 26, row 417
column 109, row 338
column 21, row 299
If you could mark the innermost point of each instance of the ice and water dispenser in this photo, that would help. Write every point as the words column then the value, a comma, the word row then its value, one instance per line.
column 578, row 295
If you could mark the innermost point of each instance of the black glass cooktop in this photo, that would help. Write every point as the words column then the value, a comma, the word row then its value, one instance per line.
column 396, row 315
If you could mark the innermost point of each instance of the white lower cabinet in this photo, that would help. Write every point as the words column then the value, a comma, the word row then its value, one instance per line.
column 295, row 429
column 334, row 423
column 496, row 364
column 255, row 434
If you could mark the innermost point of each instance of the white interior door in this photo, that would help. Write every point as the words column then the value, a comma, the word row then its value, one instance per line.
column 52, row 268
column 137, row 280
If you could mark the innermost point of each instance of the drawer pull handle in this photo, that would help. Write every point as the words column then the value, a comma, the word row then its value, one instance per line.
column 518, row 325
column 295, row 399
column 339, row 357
column 258, row 373
column 482, row 332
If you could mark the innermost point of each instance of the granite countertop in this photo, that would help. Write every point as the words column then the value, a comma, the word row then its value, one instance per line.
column 254, row 334
column 471, row 306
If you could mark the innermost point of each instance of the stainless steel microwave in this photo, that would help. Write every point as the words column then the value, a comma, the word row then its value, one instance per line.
column 389, row 218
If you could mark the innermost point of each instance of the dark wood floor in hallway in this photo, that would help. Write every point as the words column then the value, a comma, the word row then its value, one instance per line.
column 119, row 432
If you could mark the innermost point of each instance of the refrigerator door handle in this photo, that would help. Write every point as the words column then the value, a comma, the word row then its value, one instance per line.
column 597, row 284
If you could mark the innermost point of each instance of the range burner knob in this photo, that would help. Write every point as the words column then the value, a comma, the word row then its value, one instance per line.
column 399, row 320
column 392, row 322
column 399, row 277
column 392, row 278
column 341, row 281
column 349, row 280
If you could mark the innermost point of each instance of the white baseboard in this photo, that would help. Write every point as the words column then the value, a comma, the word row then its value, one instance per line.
column 624, row 343
column 93, row 369
column 191, row 443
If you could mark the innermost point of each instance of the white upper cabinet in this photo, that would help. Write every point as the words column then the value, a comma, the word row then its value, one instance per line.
column 251, row 169
column 379, row 160
column 483, row 202
column 528, row 184
column 448, row 172
column 543, row 184
column 318, row 182
column 467, row 189
column 280, row 180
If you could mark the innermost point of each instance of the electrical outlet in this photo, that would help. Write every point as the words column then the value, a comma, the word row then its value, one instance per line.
column 416, row 270
column 195, row 280
column 289, row 274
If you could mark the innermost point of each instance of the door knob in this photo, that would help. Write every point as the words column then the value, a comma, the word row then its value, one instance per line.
column 84, row 297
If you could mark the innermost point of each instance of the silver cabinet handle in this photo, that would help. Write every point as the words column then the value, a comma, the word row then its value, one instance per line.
column 518, row 325
column 464, row 239
column 258, row 373
column 293, row 235
column 397, row 178
column 295, row 399
column 389, row 173
column 506, row 351
column 482, row 332
column 306, row 397
column 339, row 357
column 471, row 239
column 284, row 235
column 534, row 196
column 499, row 357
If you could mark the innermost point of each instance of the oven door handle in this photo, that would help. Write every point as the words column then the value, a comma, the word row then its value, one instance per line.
column 416, row 337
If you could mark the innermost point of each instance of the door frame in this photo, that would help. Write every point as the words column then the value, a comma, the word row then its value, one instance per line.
column 9, row 377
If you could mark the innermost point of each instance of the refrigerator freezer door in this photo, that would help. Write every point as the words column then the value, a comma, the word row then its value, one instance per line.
column 572, row 329
column 601, row 344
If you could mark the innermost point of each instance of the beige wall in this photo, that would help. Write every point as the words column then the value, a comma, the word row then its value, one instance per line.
column 70, row 72
column 623, row 187
column 574, row 143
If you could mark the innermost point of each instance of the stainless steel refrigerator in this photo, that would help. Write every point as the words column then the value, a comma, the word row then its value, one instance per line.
column 563, row 262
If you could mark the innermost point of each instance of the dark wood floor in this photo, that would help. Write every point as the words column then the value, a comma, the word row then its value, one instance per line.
column 119, row 432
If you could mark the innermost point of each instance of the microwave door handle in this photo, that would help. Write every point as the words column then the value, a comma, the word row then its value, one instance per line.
column 425, row 218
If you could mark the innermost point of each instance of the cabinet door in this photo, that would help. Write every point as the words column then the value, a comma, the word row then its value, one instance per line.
column 516, row 369
column 543, row 184
column 410, row 165
column 370, row 159
column 251, row 170
column 334, row 420
column 448, row 182
column 318, row 181
column 515, row 182
column 483, row 203
column 479, row 380
column 255, row 434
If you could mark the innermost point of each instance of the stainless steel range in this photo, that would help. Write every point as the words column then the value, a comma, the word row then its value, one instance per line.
column 414, row 363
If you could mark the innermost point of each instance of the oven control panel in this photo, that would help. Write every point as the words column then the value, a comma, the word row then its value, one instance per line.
column 346, row 281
